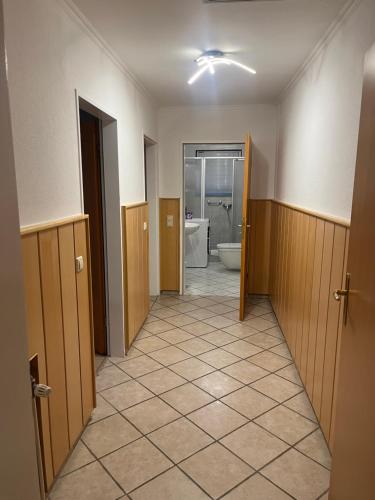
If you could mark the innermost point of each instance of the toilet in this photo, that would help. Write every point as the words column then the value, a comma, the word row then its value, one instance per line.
column 230, row 255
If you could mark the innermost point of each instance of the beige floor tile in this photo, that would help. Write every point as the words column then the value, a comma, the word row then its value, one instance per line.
column 181, row 320
column 219, row 322
column 257, row 488
column 275, row 332
column 242, row 349
column 79, row 457
column 218, row 384
column 192, row 368
column 235, row 303
column 168, row 301
column 150, row 415
column 151, row 343
column 234, row 315
column 165, row 312
column 290, row 373
column 203, row 302
column 109, row 377
column 245, row 372
column 175, row 336
column 135, row 464
column 270, row 317
column 180, row 439
column 161, row 381
column 109, row 435
column 324, row 497
column 264, row 340
column 91, row 482
column 201, row 314
column 169, row 355
column 259, row 324
column 254, row 445
column 150, row 319
column 216, row 470
column 199, row 328
column 217, row 419
column 196, row 346
column 185, row 307
column 133, row 353
column 286, row 424
column 159, row 326
column 249, row 402
column 282, row 350
column 315, row 446
column 276, row 388
column 187, row 398
column 269, row 360
column 218, row 358
column 240, row 330
column 258, row 310
column 102, row 410
column 139, row 366
column 219, row 338
column 220, row 308
column 144, row 334
column 298, row 475
column 172, row 485
column 302, row 405
column 125, row 395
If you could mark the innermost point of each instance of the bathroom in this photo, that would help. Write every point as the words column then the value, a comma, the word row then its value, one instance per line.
column 213, row 185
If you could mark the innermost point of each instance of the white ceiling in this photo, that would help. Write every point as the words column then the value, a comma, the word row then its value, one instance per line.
column 158, row 41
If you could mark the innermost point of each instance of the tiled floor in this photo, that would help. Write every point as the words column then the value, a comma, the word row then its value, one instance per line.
column 202, row 407
column 214, row 279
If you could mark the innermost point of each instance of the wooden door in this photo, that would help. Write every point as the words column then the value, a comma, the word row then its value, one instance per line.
column 93, row 201
column 245, row 247
column 354, row 444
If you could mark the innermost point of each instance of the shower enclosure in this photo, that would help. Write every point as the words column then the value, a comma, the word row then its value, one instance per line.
column 213, row 189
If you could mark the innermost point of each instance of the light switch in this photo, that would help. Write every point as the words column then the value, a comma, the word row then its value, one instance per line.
column 169, row 220
column 145, row 226
column 79, row 264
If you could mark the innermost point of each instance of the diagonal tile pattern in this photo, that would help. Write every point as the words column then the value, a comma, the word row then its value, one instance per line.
column 202, row 407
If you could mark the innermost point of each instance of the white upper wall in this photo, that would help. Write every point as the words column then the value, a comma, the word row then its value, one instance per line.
column 319, row 120
column 50, row 54
column 205, row 124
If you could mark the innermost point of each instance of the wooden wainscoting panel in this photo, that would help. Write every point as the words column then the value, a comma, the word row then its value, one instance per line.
column 169, row 245
column 135, row 222
column 54, row 341
column 85, row 321
column 71, row 335
column 309, row 263
column 36, row 344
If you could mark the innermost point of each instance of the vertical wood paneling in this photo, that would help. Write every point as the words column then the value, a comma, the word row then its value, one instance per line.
column 54, row 341
column 35, row 333
column 84, row 304
column 136, row 268
column 71, row 336
column 169, row 245
column 59, row 324
column 309, row 262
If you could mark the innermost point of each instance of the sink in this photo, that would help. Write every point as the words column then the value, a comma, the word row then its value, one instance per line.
column 190, row 228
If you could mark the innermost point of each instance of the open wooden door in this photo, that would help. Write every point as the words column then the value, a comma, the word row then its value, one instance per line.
column 245, row 227
column 354, row 445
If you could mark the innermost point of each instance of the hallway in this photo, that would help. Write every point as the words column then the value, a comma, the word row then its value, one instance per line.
column 203, row 407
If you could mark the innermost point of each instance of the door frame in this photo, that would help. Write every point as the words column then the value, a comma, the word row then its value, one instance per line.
column 182, row 204
column 111, row 223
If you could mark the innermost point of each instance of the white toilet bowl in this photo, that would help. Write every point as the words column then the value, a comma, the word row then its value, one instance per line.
column 230, row 255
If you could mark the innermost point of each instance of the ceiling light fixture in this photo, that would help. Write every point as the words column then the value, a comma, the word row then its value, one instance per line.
column 211, row 58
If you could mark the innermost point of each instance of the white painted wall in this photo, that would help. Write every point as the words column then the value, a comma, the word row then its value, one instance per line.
column 319, row 120
column 201, row 124
column 50, row 54
column 18, row 464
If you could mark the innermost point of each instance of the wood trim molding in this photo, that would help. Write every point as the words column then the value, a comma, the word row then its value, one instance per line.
column 135, row 205
column 44, row 226
column 329, row 218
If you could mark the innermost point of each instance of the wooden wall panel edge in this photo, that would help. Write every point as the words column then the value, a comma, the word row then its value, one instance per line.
column 44, row 226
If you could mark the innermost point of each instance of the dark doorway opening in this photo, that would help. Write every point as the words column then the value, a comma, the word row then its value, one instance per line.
column 93, row 192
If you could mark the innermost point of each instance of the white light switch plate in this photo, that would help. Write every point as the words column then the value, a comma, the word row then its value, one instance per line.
column 145, row 226
column 169, row 220
column 79, row 264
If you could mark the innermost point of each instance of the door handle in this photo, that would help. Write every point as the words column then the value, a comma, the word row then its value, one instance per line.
column 240, row 225
column 338, row 294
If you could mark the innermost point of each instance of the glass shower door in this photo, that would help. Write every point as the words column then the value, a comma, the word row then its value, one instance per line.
column 193, row 186
column 218, row 199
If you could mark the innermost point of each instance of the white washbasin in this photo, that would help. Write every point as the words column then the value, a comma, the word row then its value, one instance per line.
column 190, row 228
